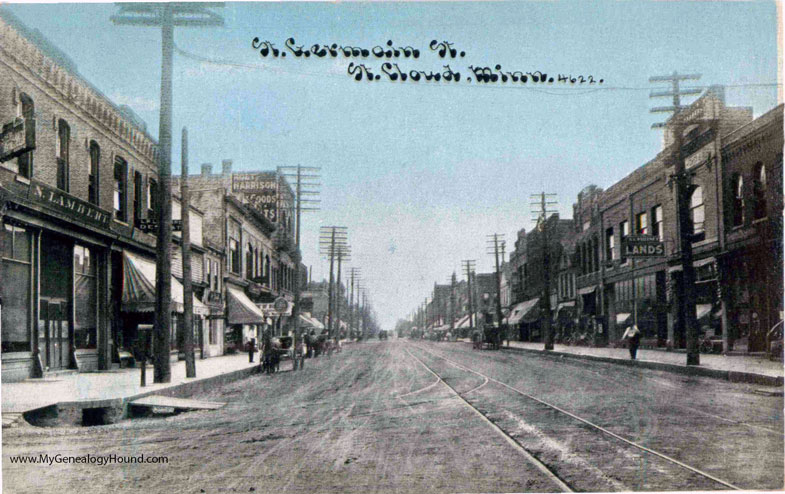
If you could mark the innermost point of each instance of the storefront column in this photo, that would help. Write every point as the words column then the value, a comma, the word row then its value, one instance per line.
column 103, row 322
column 38, row 365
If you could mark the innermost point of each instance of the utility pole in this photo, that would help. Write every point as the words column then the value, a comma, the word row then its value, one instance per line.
column 304, row 186
column 331, row 238
column 452, row 303
column 683, row 182
column 495, row 243
column 541, row 210
column 342, row 252
column 166, row 16
column 354, row 273
column 468, row 266
column 185, row 237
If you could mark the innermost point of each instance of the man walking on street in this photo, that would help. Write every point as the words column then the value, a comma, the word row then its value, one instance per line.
column 251, row 349
column 633, row 337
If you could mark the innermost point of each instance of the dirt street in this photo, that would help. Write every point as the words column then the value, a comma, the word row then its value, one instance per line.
column 375, row 419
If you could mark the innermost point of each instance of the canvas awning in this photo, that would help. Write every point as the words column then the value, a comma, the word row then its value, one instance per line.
column 587, row 290
column 519, row 311
column 240, row 308
column 702, row 310
column 464, row 322
column 139, row 288
column 622, row 317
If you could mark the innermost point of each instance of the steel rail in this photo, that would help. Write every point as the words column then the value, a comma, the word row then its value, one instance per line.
column 534, row 461
column 589, row 423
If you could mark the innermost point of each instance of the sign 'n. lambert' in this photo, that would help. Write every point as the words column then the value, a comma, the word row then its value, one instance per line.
column 68, row 205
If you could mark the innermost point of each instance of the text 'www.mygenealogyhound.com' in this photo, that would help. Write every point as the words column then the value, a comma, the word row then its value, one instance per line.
column 88, row 459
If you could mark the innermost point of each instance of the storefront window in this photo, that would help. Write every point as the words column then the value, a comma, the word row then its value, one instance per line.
column 85, row 298
column 16, row 266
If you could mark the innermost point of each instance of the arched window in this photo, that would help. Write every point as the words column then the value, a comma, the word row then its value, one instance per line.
column 737, row 182
column 95, row 161
column 63, row 142
column 759, row 191
column 697, row 210
column 249, row 262
column 25, row 161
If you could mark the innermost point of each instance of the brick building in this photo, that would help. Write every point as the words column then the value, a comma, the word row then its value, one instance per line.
column 735, row 213
column 74, row 189
column 256, row 237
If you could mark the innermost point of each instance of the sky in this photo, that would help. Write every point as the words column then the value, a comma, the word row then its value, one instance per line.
column 421, row 172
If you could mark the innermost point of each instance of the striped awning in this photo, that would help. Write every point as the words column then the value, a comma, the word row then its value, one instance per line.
column 139, row 288
column 519, row 311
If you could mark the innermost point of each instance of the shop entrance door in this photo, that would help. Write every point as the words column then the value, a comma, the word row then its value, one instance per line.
column 53, row 333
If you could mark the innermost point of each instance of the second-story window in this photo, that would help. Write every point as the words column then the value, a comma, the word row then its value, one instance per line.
column 624, row 231
column 137, row 197
column 249, row 262
column 25, row 161
column 234, row 256
column 207, row 271
column 610, row 254
column 697, row 212
column 120, row 189
column 656, row 223
column 92, row 181
column 759, row 191
column 152, row 199
column 63, row 142
column 641, row 224
column 738, row 199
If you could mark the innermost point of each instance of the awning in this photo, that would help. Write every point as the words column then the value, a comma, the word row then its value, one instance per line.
column 241, row 309
column 622, row 317
column 139, row 288
column 465, row 322
column 519, row 311
column 587, row 290
column 702, row 310
column 695, row 264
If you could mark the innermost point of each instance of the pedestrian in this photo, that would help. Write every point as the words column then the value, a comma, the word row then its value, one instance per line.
column 251, row 349
column 633, row 337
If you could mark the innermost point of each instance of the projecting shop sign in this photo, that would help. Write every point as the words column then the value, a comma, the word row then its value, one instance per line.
column 643, row 246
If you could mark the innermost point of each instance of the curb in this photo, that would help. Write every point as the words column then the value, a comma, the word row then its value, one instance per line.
column 732, row 376
column 70, row 412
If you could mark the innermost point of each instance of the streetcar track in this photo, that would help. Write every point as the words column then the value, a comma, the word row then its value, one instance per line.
column 420, row 390
column 582, row 420
column 542, row 467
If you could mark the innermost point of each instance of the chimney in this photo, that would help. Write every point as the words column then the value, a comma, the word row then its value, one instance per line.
column 227, row 167
column 207, row 169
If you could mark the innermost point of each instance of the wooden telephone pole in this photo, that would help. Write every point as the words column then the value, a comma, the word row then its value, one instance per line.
column 166, row 16
column 468, row 267
column 495, row 245
column 540, row 211
column 304, row 186
column 683, row 182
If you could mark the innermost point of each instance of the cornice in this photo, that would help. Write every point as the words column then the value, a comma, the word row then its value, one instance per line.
column 75, row 90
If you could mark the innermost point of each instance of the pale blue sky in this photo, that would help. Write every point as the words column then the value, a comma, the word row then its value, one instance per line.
column 420, row 173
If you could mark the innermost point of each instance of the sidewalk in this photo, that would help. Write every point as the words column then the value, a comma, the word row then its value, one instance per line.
column 108, row 388
column 740, row 368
